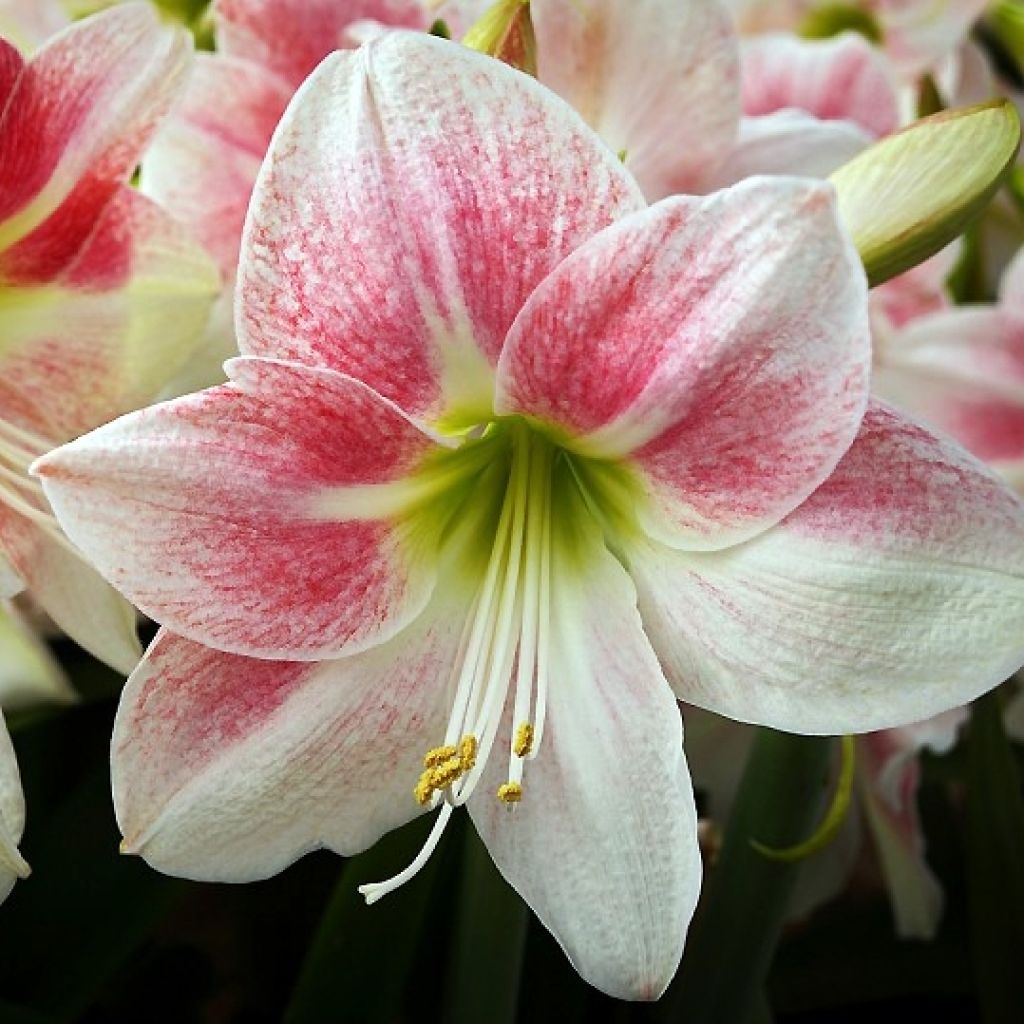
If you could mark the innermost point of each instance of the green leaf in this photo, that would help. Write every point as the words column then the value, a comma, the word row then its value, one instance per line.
column 489, row 942
column 995, row 864
column 359, row 959
column 909, row 195
column 737, row 927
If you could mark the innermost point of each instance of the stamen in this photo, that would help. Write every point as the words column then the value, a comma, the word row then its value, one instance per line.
column 467, row 752
column 523, row 742
column 510, row 793
column 443, row 766
column 374, row 891
column 438, row 755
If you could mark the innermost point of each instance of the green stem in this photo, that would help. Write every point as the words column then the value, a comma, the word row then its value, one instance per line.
column 780, row 800
column 490, row 938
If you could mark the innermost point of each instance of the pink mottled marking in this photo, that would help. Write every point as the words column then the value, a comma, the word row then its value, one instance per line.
column 681, row 332
column 379, row 251
column 840, row 79
column 290, row 37
column 201, row 510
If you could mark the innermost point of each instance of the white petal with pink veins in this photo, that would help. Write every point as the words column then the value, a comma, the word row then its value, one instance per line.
column 893, row 593
column 203, row 511
column 674, row 337
column 603, row 845
column 415, row 195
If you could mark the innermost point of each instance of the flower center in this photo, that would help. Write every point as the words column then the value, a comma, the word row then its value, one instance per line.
column 514, row 485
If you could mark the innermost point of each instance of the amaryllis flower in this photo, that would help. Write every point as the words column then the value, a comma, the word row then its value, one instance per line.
column 511, row 461
column 962, row 370
column 102, row 291
column 916, row 34
column 627, row 68
column 12, row 817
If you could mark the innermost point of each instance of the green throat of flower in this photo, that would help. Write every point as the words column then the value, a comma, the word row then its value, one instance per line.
column 510, row 511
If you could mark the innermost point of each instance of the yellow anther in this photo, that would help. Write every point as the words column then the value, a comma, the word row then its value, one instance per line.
column 467, row 752
column 523, row 743
column 424, row 790
column 445, row 774
column 437, row 756
column 510, row 793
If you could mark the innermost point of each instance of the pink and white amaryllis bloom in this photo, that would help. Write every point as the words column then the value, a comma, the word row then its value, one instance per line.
column 100, row 291
column 511, row 461
column 962, row 371
column 629, row 69
column 916, row 34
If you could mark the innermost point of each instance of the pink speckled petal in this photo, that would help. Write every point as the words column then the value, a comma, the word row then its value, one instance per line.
column 840, row 79
column 203, row 163
column 227, row 768
column 603, row 845
column 204, row 511
column 657, row 79
column 73, row 129
column 107, row 334
column 415, row 194
column 676, row 337
column 290, row 37
column 895, row 592
column 962, row 372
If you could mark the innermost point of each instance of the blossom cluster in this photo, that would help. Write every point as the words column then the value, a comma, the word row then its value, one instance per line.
column 469, row 422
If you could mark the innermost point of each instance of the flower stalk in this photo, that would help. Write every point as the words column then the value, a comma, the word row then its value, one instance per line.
column 731, row 945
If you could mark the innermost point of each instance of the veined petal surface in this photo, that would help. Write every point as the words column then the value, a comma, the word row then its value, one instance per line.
column 203, row 163
column 675, row 336
column 105, row 336
column 227, row 768
column 603, row 845
column 414, row 195
column 204, row 511
column 840, row 79
column 73, row 128
column 290, row 37
column 893, row 593
column 962, row 372
column 657, row 79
